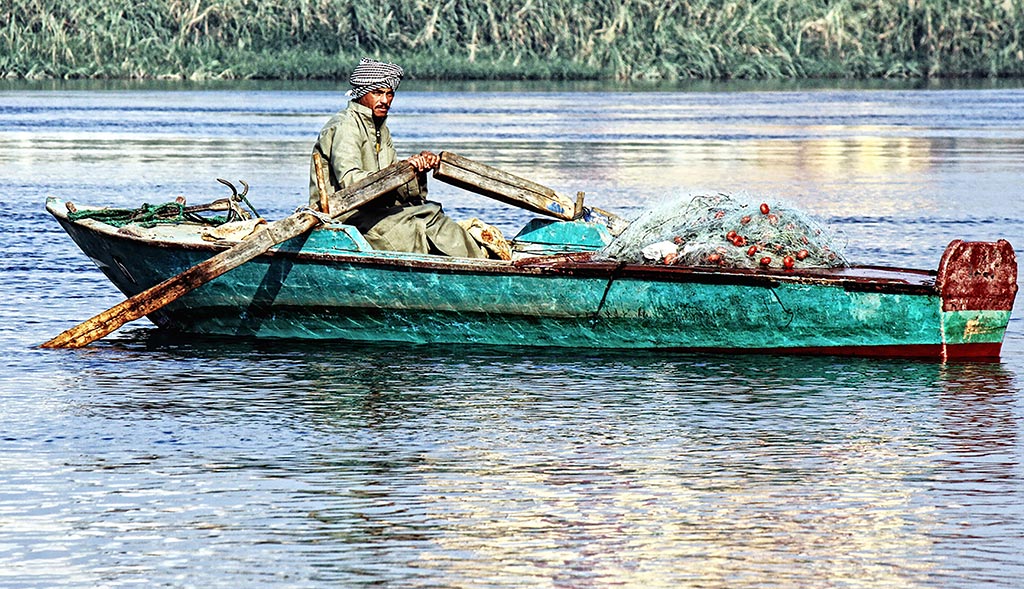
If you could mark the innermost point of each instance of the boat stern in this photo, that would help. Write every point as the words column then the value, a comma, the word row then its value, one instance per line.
column 978, row 284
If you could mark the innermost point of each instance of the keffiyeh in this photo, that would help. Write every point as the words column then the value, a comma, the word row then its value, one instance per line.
column 371, row 74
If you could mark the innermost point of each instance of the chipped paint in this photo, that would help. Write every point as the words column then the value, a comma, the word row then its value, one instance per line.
column 330, row 287
column 964, row 327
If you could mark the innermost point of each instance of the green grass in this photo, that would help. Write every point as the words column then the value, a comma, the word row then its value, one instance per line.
column 505, row 39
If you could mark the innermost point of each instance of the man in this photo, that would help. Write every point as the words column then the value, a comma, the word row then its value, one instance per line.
column 355, row 143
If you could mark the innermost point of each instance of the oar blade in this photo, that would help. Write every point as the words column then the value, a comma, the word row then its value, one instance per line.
column 173, row 288
column 485, row 180
column 482, row 179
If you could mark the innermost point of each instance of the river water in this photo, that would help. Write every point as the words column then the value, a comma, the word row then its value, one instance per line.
column 145, row 460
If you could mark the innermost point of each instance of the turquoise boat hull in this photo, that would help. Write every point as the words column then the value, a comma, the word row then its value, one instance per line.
column 330, row 284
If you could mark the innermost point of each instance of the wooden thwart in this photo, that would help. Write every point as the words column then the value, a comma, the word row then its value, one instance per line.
column 260, row 242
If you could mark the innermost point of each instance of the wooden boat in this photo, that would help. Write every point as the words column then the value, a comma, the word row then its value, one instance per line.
column 330, row 284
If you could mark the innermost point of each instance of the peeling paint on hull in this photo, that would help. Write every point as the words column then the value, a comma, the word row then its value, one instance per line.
column 304, row 290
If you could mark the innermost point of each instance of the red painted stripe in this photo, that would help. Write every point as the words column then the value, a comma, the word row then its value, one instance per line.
column 960, row 352
column 973, row 351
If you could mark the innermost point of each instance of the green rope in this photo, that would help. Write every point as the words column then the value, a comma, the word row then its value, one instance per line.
column 146, row 216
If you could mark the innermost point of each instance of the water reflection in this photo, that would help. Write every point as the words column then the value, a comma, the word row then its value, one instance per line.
column 855, row 155
column 151, row 459
column 460, row 465
column 978, row 461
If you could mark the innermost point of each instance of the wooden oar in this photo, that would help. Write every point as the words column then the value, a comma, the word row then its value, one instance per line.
column 482, row 179
column 273, row 234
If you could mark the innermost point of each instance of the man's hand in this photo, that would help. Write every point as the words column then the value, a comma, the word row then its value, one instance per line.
column 424, row 161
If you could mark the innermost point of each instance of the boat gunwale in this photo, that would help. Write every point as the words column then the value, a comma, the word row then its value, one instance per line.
column 852, row 278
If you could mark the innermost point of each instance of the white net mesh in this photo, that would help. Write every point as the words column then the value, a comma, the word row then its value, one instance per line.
column 736, row 231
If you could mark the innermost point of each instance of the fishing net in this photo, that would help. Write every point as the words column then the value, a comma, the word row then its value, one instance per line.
column 735, row 231
column 175, row 212
column 148, row 215
column 145, row 216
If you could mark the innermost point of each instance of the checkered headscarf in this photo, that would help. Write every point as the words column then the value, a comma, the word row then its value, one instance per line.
column 371, row 74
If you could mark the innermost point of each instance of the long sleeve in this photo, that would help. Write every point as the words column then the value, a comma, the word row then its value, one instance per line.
column 353, row 148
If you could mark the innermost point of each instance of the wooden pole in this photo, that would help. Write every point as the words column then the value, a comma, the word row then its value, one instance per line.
column 482, row 179
column 321, row 184
column 394, row 176
column 510, row 189
column 259, row 243
column 171, row 289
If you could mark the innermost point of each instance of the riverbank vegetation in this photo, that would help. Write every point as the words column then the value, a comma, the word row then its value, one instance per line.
column 513, row 39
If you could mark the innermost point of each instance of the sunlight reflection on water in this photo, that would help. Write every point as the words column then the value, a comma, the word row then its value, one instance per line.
column 153, row 460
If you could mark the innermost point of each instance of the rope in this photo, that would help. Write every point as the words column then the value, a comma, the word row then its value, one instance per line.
column 325, row 219
column 146, row 216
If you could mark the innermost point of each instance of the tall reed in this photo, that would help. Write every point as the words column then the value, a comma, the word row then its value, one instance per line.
column 523, row 39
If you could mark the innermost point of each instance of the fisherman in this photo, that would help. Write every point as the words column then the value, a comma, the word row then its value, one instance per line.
column 355, row 143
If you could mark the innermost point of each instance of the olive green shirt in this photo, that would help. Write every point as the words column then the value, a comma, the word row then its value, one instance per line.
column 354, row 146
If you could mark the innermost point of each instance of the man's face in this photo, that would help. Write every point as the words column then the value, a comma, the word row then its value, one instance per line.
column 379, row 101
